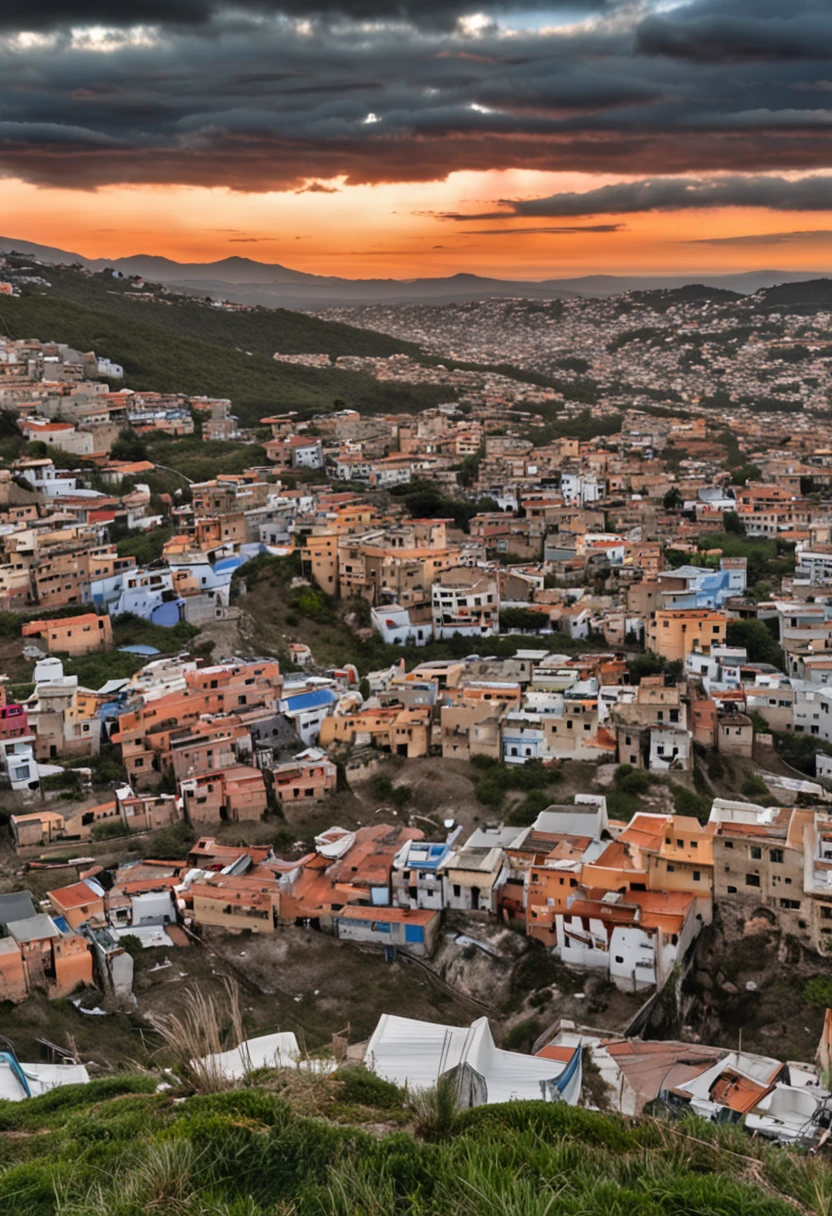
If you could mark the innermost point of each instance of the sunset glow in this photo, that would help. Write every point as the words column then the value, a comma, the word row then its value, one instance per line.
column 340, row 138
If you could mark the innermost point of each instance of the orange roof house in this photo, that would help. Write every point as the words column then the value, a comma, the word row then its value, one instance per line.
column 72, row 634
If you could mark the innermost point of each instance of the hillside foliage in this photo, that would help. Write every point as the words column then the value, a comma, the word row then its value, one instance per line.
column 183, row 346
column 116, row 1147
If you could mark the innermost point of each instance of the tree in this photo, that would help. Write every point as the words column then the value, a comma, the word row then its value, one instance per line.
column 128, row 446
column 745, row 473
column 672, row 500
column 757, row 640
column 731, row 522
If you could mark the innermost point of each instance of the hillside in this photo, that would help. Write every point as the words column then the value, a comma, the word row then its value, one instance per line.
column 815, row 295
column 177, row 344
column 353, row 1146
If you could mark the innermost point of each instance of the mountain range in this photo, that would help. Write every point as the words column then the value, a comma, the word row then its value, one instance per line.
column 247, row 281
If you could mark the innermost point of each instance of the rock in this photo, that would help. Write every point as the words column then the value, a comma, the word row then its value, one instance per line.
column 730, row 988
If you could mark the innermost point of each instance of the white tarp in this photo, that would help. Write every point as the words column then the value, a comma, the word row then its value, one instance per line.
column 269, row 1051
column 39, row 1078
column 417, row 1054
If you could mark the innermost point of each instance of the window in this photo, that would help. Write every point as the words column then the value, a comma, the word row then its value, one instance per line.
column 619, row 959
column 729, row 844
column 731, row 890
column 756, row 852
column 457, row 891
column 671, row 869
column 697, row 875
column 752, row 880
column 793, row 904
column 776, row 855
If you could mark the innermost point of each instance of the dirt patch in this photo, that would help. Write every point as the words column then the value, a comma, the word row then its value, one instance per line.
column 317, row 985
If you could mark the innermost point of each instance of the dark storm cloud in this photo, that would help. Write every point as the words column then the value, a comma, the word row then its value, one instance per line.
column 58, row 14
column 207, row 94
column 734, row 31
column 674, row 194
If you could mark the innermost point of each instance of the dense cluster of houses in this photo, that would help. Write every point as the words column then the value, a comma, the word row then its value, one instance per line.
column 593, row 541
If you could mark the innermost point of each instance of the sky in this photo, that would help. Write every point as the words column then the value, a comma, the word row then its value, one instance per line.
column 403, row 138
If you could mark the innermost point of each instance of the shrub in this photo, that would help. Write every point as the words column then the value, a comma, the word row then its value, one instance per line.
column 817, row 992
column 522, row 1037
column 686, row 802
column 108, row 830
column 754, row 787
column 636, row 781
column 365, row 1088
column 171, row 842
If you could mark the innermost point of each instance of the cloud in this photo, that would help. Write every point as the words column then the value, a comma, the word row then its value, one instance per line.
column 58, row 14
column 573, row 230
column 318, row 188
column 751, row 33
column 685, row 193
column 816, row 236
column 259, row 95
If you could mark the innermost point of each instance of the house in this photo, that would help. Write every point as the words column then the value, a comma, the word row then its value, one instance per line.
column 72, row 635
column 35, row 954
column 309, row 776
column 232, row 794
column 472, row 878
column 80, row 902
column 236, row 902
column 635, row 938
column 675, row 633
column 416, row 879
column 465, row 602
column 734, row 734
column 412, row 929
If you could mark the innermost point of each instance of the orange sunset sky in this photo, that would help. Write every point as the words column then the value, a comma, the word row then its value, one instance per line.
column 403, row 138
column 382, row 230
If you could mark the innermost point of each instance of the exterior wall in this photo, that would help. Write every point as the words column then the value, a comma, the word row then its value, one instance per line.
column 304, row 782
column 13, row 985
column 225, row 910
column 735, row 737
column 416, row 938
column 75, row 917
column 73, row 636
column 673, row 635
column 750, row 882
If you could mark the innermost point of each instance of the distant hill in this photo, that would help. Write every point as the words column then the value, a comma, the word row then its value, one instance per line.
column 176, row 344
column 248, row 281
column 812, row 295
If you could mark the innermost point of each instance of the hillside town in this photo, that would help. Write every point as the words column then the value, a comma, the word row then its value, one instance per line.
column 223, row 702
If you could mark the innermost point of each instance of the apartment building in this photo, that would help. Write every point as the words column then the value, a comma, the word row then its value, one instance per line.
column 676, row 633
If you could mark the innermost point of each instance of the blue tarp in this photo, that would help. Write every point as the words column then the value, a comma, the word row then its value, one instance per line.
column 310, row 700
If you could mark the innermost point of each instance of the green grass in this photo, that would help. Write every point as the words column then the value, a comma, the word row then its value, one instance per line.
column 115, row 1147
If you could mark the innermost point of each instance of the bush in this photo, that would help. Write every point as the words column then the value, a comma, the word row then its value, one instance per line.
column 754, row 787
column 817, row 992
column 686, row 802
column 632, row 780
column 524, row 814
column 109, row 830
column 171, row 842
column 523, row 1036
column 132, row 944
column 366, row 1089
